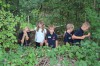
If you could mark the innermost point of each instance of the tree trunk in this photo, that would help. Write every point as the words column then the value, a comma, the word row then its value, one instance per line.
column 28, row 20
column 94, row 4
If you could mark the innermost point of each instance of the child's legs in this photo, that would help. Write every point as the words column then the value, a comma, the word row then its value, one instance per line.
column 43, row 44
column 37, row 44
column 27, row 42
column 52, row 46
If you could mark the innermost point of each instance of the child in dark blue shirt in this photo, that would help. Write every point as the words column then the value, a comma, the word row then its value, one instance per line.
column 51, row 37
column 79, row 34
column 68, row 35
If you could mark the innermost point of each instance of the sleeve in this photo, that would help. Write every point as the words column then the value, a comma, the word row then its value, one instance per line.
column 66, row 38
column 45, row 31
column 20, row 36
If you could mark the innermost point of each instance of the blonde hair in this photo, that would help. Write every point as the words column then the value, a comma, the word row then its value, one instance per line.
column 69, row 26
column 86, row 24
column 26, row 28
column 51, row 26
column 43, row 26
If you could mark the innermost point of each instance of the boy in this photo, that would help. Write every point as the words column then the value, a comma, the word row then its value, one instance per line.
column 51, row 37
column 79, row 34
column 68, row 35
column 24, row 37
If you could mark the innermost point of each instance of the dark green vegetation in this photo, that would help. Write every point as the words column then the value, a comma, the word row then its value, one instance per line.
column 15, row 14
column 65, row 55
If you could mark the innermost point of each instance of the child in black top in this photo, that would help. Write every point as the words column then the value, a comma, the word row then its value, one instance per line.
column 79, row 34
column 68, row 35
column 51, row 38
column 24, row 37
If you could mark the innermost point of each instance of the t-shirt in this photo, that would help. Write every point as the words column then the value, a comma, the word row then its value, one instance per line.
column 51, row 39
column 39, row 35
column 78, row 32
column 68, row 38
column 26, row 42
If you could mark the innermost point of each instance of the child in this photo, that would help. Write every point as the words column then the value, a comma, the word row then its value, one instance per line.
column 68, row 35
column 24, row 37
column 51, row 37
column 79, row 34
column 40, row 34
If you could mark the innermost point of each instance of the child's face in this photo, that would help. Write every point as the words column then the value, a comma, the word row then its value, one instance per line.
column 86, row 28
column 26, row 29
column 51, row 30
column 71, row 29
column 40, row 25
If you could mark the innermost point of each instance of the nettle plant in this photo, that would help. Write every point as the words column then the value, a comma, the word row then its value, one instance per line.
column 7, row 28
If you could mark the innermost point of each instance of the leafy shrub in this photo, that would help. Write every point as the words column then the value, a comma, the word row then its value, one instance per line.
column 28, row 56
column 7, row 28
column 94, row 19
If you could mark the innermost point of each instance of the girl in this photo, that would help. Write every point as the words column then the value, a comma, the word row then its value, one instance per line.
column 40, row 34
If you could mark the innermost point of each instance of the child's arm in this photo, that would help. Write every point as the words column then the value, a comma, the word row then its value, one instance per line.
column 44, row 36
column 56, row 39
column 27, row 38
column 87, row 35
column 22, row 40
column 78, row 37
column 46, row 43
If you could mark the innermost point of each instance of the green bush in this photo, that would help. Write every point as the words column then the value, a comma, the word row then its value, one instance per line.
column 29, row 56
column 94, row 19
column 7, row 28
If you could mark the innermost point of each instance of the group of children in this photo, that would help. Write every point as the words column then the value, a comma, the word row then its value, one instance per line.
column 49, row 37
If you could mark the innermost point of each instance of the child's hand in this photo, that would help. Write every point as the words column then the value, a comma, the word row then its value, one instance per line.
column 22, row 41
column 89, row 34
column 27, row 38
column 83, row 37
column 24, row 32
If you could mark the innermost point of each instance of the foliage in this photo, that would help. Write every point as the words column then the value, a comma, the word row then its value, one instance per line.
column 7, row 28
column 93, row 17
column 28, row 56
column 22, row 13
column 57, row 12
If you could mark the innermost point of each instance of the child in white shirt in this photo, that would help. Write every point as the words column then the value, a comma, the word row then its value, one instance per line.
column 40, row 34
